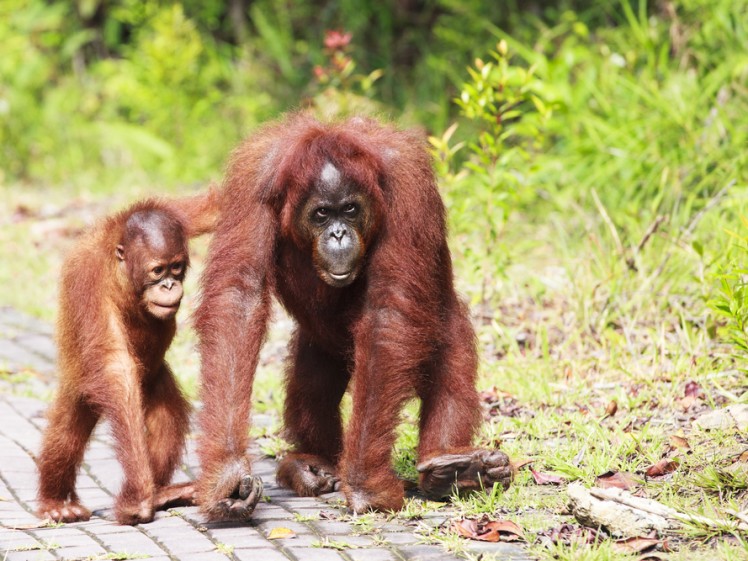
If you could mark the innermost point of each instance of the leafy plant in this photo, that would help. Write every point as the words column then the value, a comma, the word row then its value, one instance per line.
column 730, row 302
column 505, row 102
column 342, row 90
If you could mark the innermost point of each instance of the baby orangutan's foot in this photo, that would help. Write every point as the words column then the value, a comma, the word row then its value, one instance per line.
column 386, row 499
column 131, row 512
column 63, row 511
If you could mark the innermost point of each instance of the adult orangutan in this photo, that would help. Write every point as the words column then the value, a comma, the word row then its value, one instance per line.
column 343, row 223
column 120, row 289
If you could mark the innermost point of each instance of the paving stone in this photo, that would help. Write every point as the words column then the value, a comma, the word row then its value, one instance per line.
column 265, row 513
column 262, row 554
column 79, row 552
column 425, row 553
column 275, row 493
column 308, row 540
column 298, row 502
column 332, row 528
column 17, row 358
column 104, row 527
column 372, row 554
column 315, row 553
column 40, row 345
column 358, row 541
column 18, row 520
column 179, row 544
column 502, row 551
column 297, row 527
column 28, row 556
column 399, row 538
column 205, row 556
column 13, row 539
column 392, row 527
column 13, row 318
column 64, row 537
column 236, row 533
column 242, row 541
column 131, row 543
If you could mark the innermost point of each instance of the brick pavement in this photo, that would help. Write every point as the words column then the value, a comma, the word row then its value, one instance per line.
column 323, row 530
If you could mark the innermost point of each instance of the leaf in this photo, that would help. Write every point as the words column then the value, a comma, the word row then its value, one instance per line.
column 685, row 403
column 679, row 442
column 546, row 478
column 507, row 530
column 635, row 545
column 693, row 389
column 663, row 467
column 466, row 528
column 570, row 533
column 698, row 248
column 487, row 530
column 616, row 480
column 280, row 533
column 611, row 409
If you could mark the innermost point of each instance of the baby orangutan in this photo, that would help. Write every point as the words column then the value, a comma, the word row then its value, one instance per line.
column 120, row 291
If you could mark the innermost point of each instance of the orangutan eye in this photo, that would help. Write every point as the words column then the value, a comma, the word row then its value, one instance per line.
column 158, row 271
column 177, row 269
column 350, row 210
column 321, row 214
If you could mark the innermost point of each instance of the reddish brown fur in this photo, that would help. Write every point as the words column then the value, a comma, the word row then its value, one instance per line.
column 198, row 213
column 398, row 331
column 111, row 362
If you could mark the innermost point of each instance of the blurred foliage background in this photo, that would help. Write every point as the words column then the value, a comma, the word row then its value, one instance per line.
column 620, row 126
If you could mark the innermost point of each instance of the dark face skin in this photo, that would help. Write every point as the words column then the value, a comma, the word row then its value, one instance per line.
column 336, row 219
column 154, row 256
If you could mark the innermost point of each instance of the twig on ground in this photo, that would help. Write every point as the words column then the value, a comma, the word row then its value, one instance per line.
column 651, row 506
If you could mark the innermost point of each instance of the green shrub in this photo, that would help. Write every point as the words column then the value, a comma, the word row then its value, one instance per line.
column 509, row 111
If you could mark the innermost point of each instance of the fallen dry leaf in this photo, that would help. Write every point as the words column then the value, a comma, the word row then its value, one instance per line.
column 743, row 457
column 487, row 530
column 679, row 442
column 685, row 403
column 663, row 467
column 693, row 389
column 568, row 533
column 617, row 480
column 281, row 533
column 635, row 545
column 611, row 409
column 546, row 478
column 508, row 530
column 494, row 394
